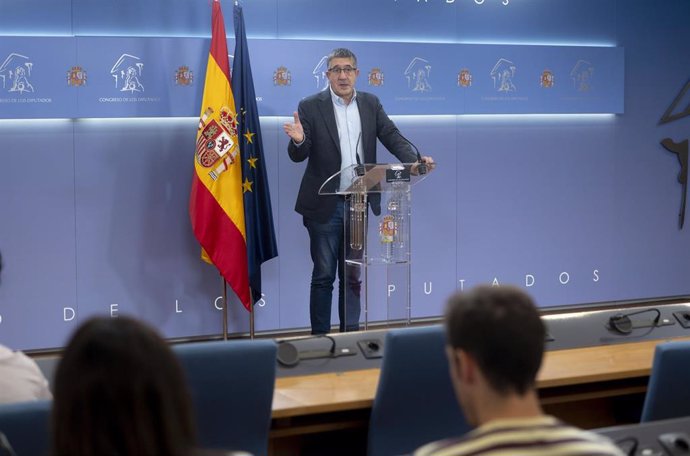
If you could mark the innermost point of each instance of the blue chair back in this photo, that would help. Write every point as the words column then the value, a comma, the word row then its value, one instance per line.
column 415, row 402
column 27, row 426
column 231, row 384
column 668, row 390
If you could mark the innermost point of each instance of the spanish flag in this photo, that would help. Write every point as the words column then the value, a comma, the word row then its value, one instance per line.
column 216, row 206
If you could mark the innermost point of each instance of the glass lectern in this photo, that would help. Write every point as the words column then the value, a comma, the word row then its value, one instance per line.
column 376, row 244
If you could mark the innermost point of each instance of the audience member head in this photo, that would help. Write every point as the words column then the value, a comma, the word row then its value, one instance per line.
column 495, row 344
column 119, row 390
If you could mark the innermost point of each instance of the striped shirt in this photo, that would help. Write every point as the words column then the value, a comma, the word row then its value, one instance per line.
column 539, row 436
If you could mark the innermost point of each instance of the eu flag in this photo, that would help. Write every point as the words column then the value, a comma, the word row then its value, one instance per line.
column 261, row 238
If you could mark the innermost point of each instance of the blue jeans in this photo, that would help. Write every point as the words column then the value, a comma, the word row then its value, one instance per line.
column 326, row 243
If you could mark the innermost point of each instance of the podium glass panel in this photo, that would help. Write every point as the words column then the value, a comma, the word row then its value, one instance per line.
column 377, row 242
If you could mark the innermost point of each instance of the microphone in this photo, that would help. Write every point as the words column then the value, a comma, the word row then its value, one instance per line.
column 621, row 322
column 359, row 169
column 289, row 355
column 421, row 168
column 632, row 451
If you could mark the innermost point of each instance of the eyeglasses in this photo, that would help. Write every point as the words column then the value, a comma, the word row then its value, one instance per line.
column 347, row 70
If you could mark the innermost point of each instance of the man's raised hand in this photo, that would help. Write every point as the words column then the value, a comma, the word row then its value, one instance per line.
column 294, row 129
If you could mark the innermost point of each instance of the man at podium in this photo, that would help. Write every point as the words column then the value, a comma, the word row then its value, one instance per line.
column 335, row 129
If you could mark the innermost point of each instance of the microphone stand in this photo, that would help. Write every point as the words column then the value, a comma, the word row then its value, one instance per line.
column 421, row 168
column 358, row 205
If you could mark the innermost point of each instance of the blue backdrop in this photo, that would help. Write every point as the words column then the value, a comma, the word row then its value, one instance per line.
column 163, row 77
column 577, row 208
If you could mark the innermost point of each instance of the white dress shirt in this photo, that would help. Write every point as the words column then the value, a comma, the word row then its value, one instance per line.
column 349, row 133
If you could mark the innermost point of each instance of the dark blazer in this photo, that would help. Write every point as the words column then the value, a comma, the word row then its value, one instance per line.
column 322, row 147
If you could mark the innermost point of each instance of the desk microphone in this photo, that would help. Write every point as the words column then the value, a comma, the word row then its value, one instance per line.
column 675, row 443
column 421, row 168
column 289, row 355
column 624, row 325
column 632, row 451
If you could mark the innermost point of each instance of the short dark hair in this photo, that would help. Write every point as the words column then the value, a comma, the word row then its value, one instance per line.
column 342, row 53
column 502, row 330
column 119, row 389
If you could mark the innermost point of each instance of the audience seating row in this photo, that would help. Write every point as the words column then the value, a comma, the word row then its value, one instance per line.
column 232, row 385
column 668, row 390
column 26, row 425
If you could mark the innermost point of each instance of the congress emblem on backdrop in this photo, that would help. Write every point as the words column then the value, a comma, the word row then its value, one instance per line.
column 417, row 74
column 503, row 73
column 184, row 76
column 547, row 79
column 15, row 73
column 282, row 77
column 320, row 73
column 215, row 148
column 464, row 78
column 76, row 76
column 581, row 74
column 127, row 73
column 375, row 77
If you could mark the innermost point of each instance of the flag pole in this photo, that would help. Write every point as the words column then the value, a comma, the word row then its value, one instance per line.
column 259, row 230
column 225, row 309
column 216, row 200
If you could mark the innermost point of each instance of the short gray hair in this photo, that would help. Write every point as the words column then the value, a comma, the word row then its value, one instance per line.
column 342, row 53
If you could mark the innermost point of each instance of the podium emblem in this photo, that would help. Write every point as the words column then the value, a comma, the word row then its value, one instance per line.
column 387, row 229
